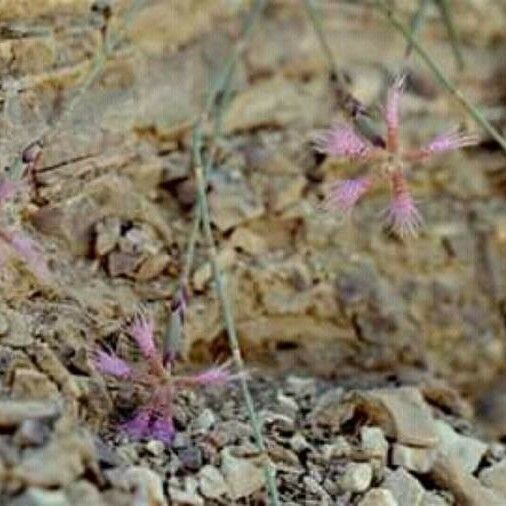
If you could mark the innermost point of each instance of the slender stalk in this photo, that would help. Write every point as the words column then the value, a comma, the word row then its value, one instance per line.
column 415, row 25
column 346, row 101
column 214, row 107
column 438, row 73
column 109, row 43
column 444, row 9
column 220, row 284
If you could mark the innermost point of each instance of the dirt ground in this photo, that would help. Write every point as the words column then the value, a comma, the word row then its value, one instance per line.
column 376, row 363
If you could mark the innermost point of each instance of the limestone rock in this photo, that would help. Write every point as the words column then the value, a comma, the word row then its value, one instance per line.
column 419, row 460
column 374, row 444
column 405, row 488
column 211, row 482
column 467, row 451
column 357, row 477
column 243, row 476
column 495, row 477
column 378, row 497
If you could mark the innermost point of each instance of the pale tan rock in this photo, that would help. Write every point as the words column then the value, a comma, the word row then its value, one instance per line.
column 357, row 477
column 495, row 477
column 64, row 459
column 378, row 497
column 412, row 421
column 152, row 267
column 211, row 483
column 465, row 450
column 32, row 384
column 34, row 496
column 144, row 484
column 247, row 241
column 467, row 489
column 13, row 412
column 419, row 460
column 373, row 443
column 405, row 488
column 243, row 476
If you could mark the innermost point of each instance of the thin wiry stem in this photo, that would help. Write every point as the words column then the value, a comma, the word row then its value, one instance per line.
column 219, row 280
column 445, row 11
column 213, row 107
column 350, row 105
column 439, row 74
column 415, row 24
column 108, row 44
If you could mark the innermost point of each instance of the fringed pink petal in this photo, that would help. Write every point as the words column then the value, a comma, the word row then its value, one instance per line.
column 344, row 194
column 142, row 330
column 215, row 376
column 111, row 364
column 443, row 143
column 403, row 217
column 391, row 113
column 342, row 141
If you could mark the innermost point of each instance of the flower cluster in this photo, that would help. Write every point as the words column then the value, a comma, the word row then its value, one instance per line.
column 154, row 376
column 344, row 142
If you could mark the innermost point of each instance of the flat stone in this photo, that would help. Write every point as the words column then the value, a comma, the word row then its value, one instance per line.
column 433, row 499
column 84, row 493
column 378, row 497
column 146, row 483
column 60, row 462
column 205, row 420
column 467, row 451
column 32, row 384
column 412, row 419
column 405, row 488
column 243, row 476
column 357, row 477
column 13, row 412
column 184, row 497
column 245, row 240
column 495, row 477
column 34, row 496
column 419, row 460
column 155, row 447
column 374, row 443
column 338, row 449
column 211, row 482
column 448, row 474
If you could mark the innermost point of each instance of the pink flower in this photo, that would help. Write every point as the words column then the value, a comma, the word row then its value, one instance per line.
column 138, row 427
column 142, row 330
column 443, row 143
column 403, row 217
column 154, row 380
column 342, row 141
column 215, row 376
column 391, row 113
column 344, row 194
column 111, row 364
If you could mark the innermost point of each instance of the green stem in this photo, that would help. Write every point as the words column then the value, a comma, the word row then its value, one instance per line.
column 444, row 9
column 219, row 280
column 438, row 73
column 415, row 25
